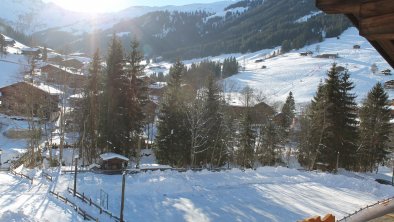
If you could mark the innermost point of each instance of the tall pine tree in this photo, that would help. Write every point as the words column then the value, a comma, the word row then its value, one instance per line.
column 173, row 135
column 135, row 96
column 112, row 122
column 288, row 110
column 374, row 129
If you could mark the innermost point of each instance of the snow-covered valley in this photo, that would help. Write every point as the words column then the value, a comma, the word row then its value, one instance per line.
column 265, row 194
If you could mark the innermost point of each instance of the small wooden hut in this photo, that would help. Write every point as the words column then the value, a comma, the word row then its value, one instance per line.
column 113, row 161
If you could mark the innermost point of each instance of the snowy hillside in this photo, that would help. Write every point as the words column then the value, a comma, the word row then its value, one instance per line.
column 12, row 65
column 302, row 74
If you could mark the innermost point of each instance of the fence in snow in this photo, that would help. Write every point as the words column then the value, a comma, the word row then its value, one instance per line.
column 80, row 211
column 89, row 201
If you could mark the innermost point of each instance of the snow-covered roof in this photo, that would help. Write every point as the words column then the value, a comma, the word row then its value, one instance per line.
column 77, row 96
column 49, row 89
column 30, row 49
column 110, row 156
column 157, row 85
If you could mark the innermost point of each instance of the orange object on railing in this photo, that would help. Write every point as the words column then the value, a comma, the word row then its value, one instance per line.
column 327, row 218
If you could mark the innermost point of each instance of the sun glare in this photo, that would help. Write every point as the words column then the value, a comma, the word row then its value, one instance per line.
column 91, row 6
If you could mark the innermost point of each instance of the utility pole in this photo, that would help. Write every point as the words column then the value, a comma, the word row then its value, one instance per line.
column 123, row 192
column 392, row 166
column 337, row 166
column 75, row 174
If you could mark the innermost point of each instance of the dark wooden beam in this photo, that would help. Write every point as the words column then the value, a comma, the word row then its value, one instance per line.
column 378, row 27
column 383, row 52
column 373, row 18
column 339, row 6
column 373, row 8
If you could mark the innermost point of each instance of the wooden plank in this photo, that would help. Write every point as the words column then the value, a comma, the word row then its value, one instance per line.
column 339, row 6
column 376, row 7
column 388, row 46
column 383, row 52
column 378, row 27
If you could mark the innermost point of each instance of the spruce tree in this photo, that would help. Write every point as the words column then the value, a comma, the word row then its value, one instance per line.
column 268, row 150
column 314, row 126
column 89, row 112
column 173, row 135
column 112, row 122
column 288, row 110
column 340, row 135
column 134, row 96
column 333, row 121
column 245, row 153
column 375, row 129
column 3, row 46
column 215, row 129
column 348, row 122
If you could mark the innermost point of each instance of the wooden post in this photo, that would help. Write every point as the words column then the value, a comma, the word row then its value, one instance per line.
column 123, row 192
column 75, row 176
column 337, row 162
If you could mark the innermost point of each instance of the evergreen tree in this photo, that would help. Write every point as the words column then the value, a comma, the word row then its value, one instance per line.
column 215, row 129
column 314, row 125
column 112, row 122
column 288, row 110
column 286, row 46
column 374, row 129
column 135, row 96
column 230, row 67
column 245, row 153
column 90, row 112
column 348, row 122
column 269, row 150
column 334, row 111
column 3, row 46
column 173, row 135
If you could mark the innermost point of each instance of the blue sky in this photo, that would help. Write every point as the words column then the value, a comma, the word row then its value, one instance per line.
column 116, row 5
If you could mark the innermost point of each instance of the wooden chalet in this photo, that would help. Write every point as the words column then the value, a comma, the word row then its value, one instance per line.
column 9, row 42
column 157, row 89
column 113, row 162
column 57, row 75
column 373, row 18
column 72, row 63
column 306, row 53
column 20, row 99
column 260, row 113
column 356, row 47
column 328, row 56
column 31, row 51
column 56, row 60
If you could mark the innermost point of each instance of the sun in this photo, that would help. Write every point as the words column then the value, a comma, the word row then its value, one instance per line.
column 90, row 6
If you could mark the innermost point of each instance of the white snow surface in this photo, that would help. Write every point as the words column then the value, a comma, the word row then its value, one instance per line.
column 307, row 17
column 265, row 194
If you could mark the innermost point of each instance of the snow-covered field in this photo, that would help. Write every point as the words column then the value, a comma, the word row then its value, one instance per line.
column 266, row 194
